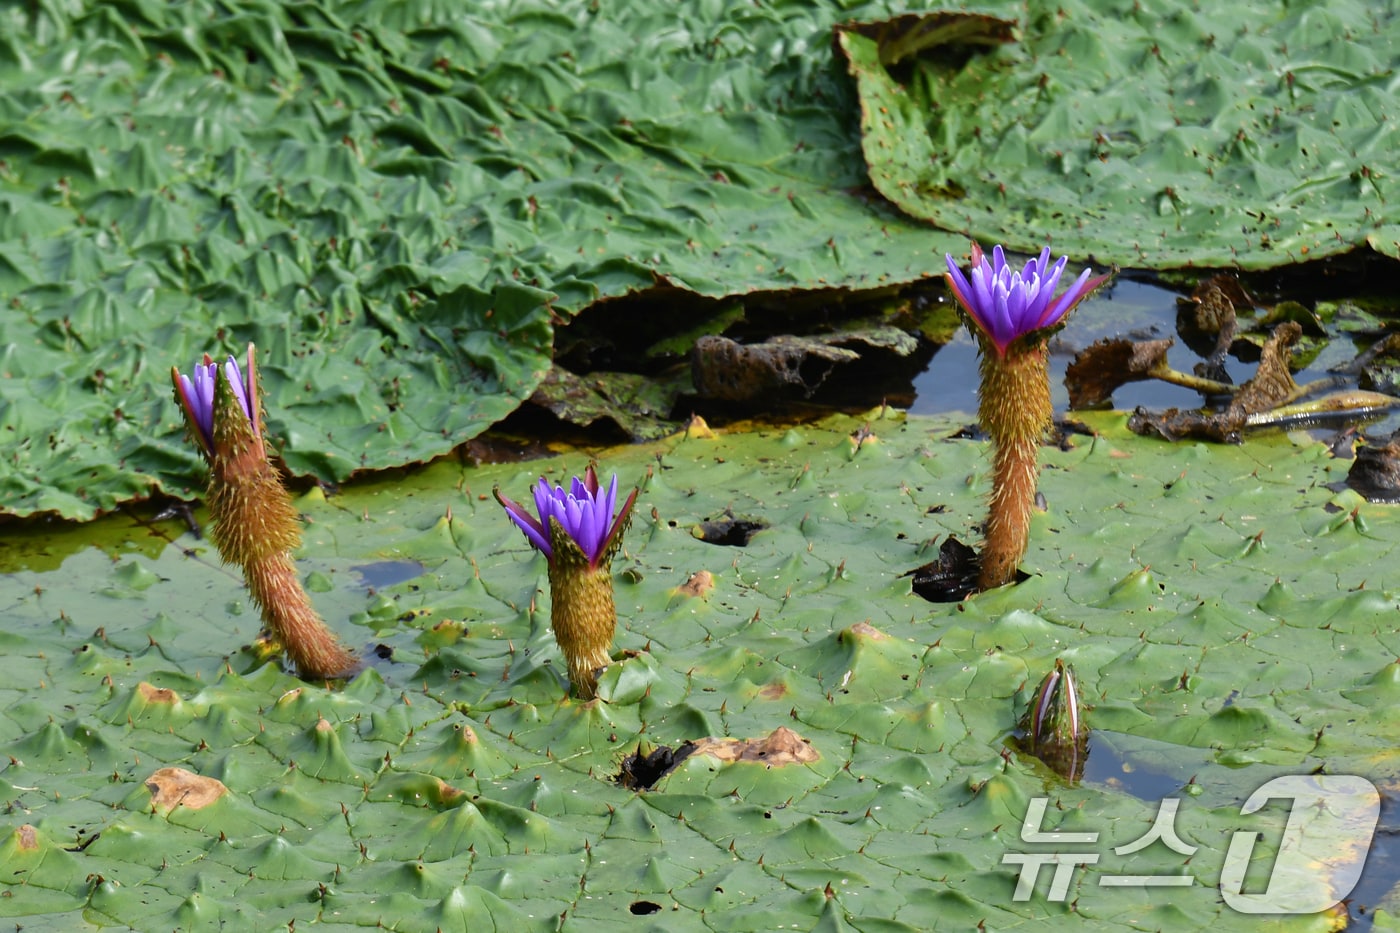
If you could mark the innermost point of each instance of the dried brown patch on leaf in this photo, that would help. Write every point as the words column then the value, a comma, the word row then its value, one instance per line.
column 864, row 630
column 781, row 747
column 775, row 690
column 27, row 838
column 153, row 694
column 1099, row 369
column 699, row 585
column 176, row 787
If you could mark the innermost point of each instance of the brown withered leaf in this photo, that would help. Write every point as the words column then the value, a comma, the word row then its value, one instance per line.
column 1175, row 424
column 786, row 366
column 1273, row 383
column 780, row 747
column 176, row 787
column 1100, row 368
column 1271, row 386
column 1209, row 312
column 1375, row 473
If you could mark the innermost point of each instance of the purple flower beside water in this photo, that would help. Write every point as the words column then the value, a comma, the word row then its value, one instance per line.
column 1007, row 305
column 585, row 512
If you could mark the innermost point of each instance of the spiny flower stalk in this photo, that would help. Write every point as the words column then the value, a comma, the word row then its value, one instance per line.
column 255, row 525
column 579, row 535
column 1012, row 314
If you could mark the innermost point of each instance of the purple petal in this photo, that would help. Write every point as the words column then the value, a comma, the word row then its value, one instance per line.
column 1072, row 296
column 609, row 501
column 534, row 531
column 998, row 260
column 1016, row 303
column 240, row 389
column 587, row 535
column 571, row 519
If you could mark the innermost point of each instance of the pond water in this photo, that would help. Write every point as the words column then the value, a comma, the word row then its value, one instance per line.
column 1135, row 308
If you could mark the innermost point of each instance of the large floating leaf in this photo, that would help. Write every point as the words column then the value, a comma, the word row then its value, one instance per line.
column 398, row 202
column 1152, row 134
column 1229, row 615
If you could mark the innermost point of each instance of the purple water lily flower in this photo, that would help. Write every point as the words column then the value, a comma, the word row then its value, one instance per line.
column 197, row 393
column 1007, row 305
column 585, row 512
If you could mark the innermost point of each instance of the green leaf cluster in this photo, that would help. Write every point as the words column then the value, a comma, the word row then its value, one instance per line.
column 398, row 202
column 1144, row 133
column 1229, row 616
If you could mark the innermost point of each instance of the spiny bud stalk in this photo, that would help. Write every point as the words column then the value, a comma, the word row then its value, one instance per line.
column 577, row 533
column 581, row 611
column 255, row 524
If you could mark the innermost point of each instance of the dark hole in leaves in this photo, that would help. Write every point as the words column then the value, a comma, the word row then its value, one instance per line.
column 641, row 772
column 642, row 908
column 969, row 432
column 729, row 531
column 383, row 652
column 953, row 576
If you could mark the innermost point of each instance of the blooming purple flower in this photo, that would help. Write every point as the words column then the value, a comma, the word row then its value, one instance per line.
column 1007, row 305
column 585, row 512
column 197, row 393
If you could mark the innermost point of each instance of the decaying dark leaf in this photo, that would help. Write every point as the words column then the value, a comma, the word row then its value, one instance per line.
column 780, row 747
column 1103, row 366
column 176, row 787
column 1273, row 383
column 913, row 34
column 791, row 368
column 1271, row 386
column 1375, row 473
column 729, row 371
column 639, row 406
column 1300, row 314
column 1213, row 366
column 641, row 770
column 1209, row 311
column 952, row 577
column 1378, row 369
